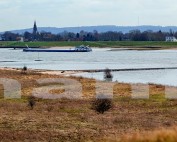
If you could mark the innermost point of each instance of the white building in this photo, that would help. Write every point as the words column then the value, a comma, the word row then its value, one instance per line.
column 21, row 39
column 171, row 39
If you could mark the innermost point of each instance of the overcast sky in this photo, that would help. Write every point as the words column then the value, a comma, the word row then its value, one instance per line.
column 19, row 14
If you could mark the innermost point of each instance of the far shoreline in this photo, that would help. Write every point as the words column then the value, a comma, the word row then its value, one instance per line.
column 112, row 48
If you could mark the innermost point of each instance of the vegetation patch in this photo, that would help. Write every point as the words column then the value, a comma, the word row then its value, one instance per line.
column 115, row 44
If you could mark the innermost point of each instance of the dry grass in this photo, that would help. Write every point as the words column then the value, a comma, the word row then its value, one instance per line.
column 160, row 135
column 74, row 120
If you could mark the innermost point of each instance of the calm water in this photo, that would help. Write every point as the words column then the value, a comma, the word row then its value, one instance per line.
column 101, row 59
column 164, row 77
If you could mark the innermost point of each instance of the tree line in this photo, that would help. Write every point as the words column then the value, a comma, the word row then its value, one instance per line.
column 135, row 35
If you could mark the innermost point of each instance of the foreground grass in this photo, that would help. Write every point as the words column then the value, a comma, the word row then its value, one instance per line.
column 161, row 135
column 93, row 44
column 74, row 120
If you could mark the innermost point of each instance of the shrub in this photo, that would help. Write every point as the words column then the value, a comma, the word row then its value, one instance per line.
column 102, row 104
column 107, row 75
column 24, row 70
column 31, row 102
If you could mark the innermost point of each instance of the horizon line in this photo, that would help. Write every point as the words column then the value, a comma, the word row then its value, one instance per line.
column 88, row 26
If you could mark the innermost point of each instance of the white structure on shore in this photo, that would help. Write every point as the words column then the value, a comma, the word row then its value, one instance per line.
column 170, row 39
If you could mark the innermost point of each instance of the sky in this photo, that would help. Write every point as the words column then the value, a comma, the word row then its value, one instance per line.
column 20, row 14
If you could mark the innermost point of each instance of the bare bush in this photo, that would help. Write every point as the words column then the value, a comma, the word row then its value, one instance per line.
column 31, row 102
column 102, row 104
column 107, row 75
column 24, row 70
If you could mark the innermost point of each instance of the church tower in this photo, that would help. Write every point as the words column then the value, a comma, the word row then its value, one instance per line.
column 35, row 28
column 35, row 31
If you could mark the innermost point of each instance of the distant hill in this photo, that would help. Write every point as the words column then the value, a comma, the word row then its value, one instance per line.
column 124, row 29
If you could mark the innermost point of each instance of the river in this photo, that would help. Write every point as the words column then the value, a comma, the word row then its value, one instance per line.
column 101, row 59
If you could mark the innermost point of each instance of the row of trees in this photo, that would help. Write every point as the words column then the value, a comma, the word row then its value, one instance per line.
column 134, row 35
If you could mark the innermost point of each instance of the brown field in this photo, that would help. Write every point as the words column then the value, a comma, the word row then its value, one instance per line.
column 152, row 120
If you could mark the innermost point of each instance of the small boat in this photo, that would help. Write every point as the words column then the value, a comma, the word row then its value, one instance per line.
column 80, row 48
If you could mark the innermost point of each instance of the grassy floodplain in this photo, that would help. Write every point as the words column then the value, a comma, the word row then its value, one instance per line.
column 130, row 120
column 93, row 44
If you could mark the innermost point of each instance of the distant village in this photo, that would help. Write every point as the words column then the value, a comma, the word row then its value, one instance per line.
column 134, row 35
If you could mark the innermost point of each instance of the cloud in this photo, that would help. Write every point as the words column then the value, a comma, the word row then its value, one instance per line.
column 17, row 14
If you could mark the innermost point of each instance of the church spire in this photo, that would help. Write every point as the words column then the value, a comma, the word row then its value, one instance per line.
column 35, row 31
column 34, row 28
